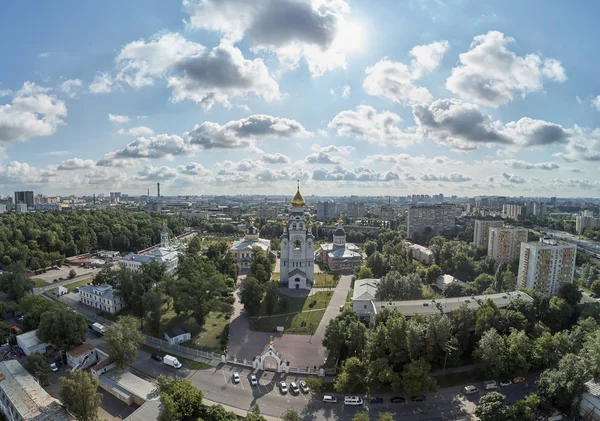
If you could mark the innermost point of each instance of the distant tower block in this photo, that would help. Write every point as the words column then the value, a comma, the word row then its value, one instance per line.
column 158, row 189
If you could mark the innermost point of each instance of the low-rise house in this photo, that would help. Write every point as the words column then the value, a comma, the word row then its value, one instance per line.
column 364, row 294
column 589, row 407
column 243, row 249
column 30, row 343
column 177, row 335
column 445, row 280
column 102, row 297
column 128, row 387
column 84, row 356
column 420, row 253
column 23, row 399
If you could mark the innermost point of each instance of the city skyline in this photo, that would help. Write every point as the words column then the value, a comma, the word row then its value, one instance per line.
column 454, row 97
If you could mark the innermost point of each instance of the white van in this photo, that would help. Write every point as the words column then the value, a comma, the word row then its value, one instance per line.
column 470, row 390
column 490, row 384
column 352, row 400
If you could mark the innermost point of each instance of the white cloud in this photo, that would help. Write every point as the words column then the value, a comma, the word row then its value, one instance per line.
column 344, row 150
column 109, row 177
column 194, row 168
column 418, row 160
column 71, row 87
column 492, row 75
column 137, row 131
column 32, row 112
column 515, row 179
column 394, row 81
column 366, row 124
column 523, row 165
column 323, row 158
column 5, row 92
column 578, row 99
column 76, row 164
column 276, row 158
column 55, row 153
column 428, row 57
column 15, row 172
column 346, row 91
column 150, row 173
column 192, row 72
column 243, row 133
column 361, row 174
column 119, row 119
column 102, row 83
column 155, row 147
column 315, row 31
column 596, row 102
column 452, row 178
column 584, row 145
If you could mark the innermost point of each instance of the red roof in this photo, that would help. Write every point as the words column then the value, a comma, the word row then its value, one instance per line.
column 81, row 350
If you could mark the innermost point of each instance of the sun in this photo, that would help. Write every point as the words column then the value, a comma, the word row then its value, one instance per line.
column 351, row 37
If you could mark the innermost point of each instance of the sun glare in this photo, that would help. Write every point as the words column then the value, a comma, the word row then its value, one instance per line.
column 351, row 37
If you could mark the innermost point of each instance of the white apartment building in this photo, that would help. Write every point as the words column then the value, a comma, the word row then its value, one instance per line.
column 437, row 217
column 546, row 265
column 481, row 231
column 102, row 297
column 513, row 211
column 504, row 244
column 586, row 220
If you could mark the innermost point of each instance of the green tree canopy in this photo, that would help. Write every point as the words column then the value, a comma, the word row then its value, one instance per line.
column 491, row 407
column 124, row 340
column 416, row 379
column 38, row 367
column 181, row 395
column 79, row 394
column 251, row 295
column 62, row 327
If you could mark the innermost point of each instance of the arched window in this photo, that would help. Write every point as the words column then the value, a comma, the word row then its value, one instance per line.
column 297, row 244
column 294, row 226
column 301, row 226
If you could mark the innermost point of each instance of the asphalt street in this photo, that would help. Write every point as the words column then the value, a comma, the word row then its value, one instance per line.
column 216, row 384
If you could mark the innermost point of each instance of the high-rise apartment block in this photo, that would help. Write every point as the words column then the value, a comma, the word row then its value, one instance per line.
column 437, row 217
column 513, row 211
column 504, row 244
column 546, row 265
column 24, row 197
column 586, row 221
column 326, row 210
column 481, row 231
column 356, row 210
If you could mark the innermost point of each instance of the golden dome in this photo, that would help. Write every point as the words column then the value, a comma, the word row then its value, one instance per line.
column 310, row 224
column 298, row 200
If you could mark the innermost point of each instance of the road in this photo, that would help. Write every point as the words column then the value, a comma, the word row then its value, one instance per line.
column 216, row 384
column 89, row 273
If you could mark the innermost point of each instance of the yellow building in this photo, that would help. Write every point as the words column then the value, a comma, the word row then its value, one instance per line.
column 504, row 243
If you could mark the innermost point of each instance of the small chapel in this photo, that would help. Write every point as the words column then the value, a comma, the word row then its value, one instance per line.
column 297, row 260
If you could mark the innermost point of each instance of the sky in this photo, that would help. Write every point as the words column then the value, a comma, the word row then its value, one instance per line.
column 387, row 97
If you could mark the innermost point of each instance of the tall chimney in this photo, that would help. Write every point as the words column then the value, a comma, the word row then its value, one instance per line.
column 94, row 199
column 148, row 197
column 158, row 188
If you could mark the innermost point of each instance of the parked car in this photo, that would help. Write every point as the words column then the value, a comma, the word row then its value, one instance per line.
column 253, row 380
column 236, row 378
column 53, row 367
column 418, row 398
column 593, row 296
column 490, row 385
column 304, row 387
column 505, row 383
column 398, row 399
column 353, row 400
column 329, row 399
column 518, row 380
column 283, row 387
column 375, row 399
column 20, row 319
column 470, row 390
column 294, row 388
column 76, row 290
column 156, row 357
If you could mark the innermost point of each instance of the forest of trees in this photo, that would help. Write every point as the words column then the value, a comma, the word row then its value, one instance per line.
column 44, row 239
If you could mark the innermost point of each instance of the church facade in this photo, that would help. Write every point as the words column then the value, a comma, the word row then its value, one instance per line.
column 297, row 260
column 243, row 249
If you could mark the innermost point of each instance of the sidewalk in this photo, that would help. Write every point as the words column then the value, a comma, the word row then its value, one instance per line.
column 239, row 412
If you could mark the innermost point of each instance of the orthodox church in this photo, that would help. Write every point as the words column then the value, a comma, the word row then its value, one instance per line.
column 297, row 261
column 340, row 255
column 243, row 249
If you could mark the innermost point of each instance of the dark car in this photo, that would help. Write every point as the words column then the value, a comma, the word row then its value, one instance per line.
column 593, row 296
column 418, row 398
column 375, row 399
column 156, row 357
column 398, row 399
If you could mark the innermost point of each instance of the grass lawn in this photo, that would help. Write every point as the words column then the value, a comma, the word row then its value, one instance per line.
column 304, row 322
column 205, row 338
column 77, row 284
column 577, row 281
column 349, row 297
column 39, row 282
column 191, row 364
column 326, row 280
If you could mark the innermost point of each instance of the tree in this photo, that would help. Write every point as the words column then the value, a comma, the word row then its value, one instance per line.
column 591, row 352
column 589, row 273
column 378, row 264
column 364, row 272
column 361, row 416
column 106, row 276
column 432, row 273
column 33, row 306
column 491, row 407
column 254, row 414
column 15, row 283
column 169, row 411
column 519, row 352
column 62, row 327
column 315, row 384
column 416, row 379
column 352, row 376
column 399, row 287
column 385, row 416
column 558, row 315
column 291, row 415
column 370, row 248
column 124, row 340
column 153, row 302
column 272, row 295
column 72, row 274
column 454, row 290
column 526, row 408
column 492, row 353
column 79, row 394
column 251, row 295
column 564, row 386
column 218, row 413
column 38, row 367
column 488, row 317
column 595, row 287
column 260, row 266
column 183, row 399
column 570, row 293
